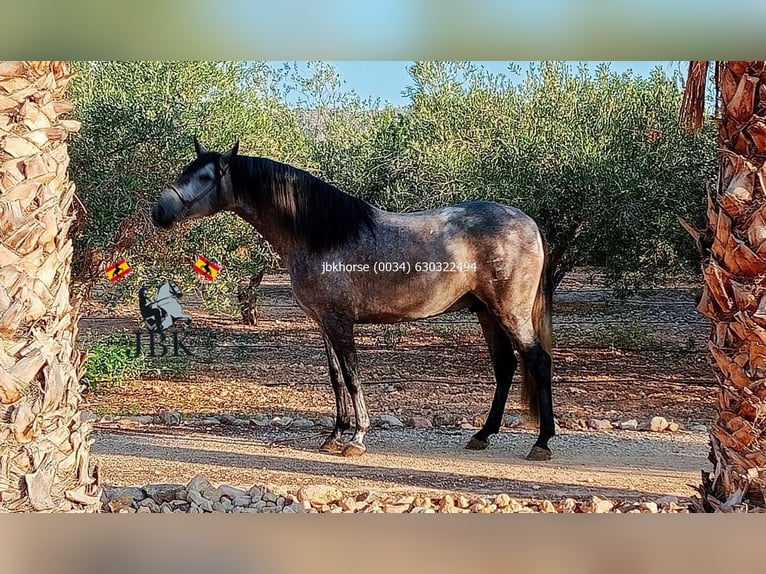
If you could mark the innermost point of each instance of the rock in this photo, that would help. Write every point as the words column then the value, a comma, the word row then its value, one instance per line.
column 244, row 500
column 658, row 424
column 255, row 493
column 302, row 424
column 170, row 418
column 227, row 419
column 87, row 416
column 667, row 499
column 135, row 493
column 259, row 423
column 389, row 420
column 600, row 505
column 227, row 504
column 150, row 504
column 631, row 424
column 269, row 496
column 467, row 426
column 674, row 427
column 163, row 492
column 569, row 505
column 479, row 421
column 241, row 422
column 408, row 500
column 444, row 420
column 218, row 507
column 462, row 502
column 502, row 500
column 319, row 494
column 698, row 428
column 446, row 501
column 282, row 422
column 326, row 422
column 211, row 421
column 600, row 424
column 199, row 484
column 511, row 421
column 348, row 504
column 420, row 422
column 547, row 506
column 230, row 491
column 648, row 507
column 390, row 508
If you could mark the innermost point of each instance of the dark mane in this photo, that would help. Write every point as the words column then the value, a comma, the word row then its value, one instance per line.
column 319, row 213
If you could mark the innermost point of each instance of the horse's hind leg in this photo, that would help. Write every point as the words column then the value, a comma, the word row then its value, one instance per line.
column 538, row 363
column 334, row 442
column 340, row 333
column 504, row 365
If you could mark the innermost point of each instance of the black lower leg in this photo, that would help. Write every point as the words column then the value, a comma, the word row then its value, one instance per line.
column 334, row 442
column 539, row 364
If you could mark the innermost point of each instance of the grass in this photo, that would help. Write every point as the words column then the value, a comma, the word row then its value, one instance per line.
column 112, row 361
column 633, row 336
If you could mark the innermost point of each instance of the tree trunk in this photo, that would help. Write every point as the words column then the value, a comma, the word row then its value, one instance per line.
column 44, row 444
column 734, row 295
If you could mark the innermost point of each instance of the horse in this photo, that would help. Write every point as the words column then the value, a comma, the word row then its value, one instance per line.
column 164, row 310
column 351, row 263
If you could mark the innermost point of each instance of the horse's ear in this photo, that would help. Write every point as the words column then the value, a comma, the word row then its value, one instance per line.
column 198, row 147
column 227, row 155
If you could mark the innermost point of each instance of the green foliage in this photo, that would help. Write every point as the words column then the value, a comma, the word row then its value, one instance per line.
column 109, row 361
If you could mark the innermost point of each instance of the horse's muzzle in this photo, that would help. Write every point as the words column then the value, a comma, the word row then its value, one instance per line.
column 160, row 216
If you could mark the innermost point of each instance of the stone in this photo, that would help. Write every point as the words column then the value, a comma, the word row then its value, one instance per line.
column 348, row 504
column 269, row 496
column 150, row 504
column 227, row 419
column 319, row 494
column 462, row 502
column 389, row 420
column 569, row 505
column 631, row 424
column 211, row 421
column 658, row 424
column 227, row 504
column 648, row 507
column 698, row 428
column 218, row 507
column 326, row 422
column 244, row 500
column 502, row 500
column 195, row 497
column 302, row 424
column 420, row 422
column 547, row 506
column 405, row 500
column 87, row 416
column 600, row 424
column 601, row 505
column 163, row 492
column 479, row 421
column 447, row 501
column 165, row 508
column 260, row 423
column 170, row 418
column 674, row 427
column 199, row 484
column 241, row 422
column 143, row 509
column 444, row 420
column 282, row 422
column 230, row 491
column 255, row 493
column 511, row 421
column 133, row 492
column 391, row 508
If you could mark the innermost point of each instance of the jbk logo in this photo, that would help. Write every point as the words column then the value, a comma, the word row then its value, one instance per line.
column 160, row 314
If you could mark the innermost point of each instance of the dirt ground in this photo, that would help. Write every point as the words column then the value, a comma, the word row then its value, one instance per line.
column 615, row 358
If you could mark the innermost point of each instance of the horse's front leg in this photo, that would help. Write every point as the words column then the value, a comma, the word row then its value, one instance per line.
column 340, row 333
column 334, row 442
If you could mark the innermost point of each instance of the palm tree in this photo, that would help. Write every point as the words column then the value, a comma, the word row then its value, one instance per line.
column 734, row 270
column 44, row 444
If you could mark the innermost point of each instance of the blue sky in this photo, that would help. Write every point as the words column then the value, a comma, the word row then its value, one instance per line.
column 387, row 80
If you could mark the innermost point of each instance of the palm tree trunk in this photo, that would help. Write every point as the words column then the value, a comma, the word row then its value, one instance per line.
column 44, row 444
column 734, row 296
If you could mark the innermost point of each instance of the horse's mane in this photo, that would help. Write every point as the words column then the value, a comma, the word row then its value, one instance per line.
column 320, row 214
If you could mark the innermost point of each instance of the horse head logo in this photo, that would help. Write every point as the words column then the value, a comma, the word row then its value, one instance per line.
column 164, row 310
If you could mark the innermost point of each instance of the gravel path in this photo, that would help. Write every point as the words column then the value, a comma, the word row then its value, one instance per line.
column 615, row 464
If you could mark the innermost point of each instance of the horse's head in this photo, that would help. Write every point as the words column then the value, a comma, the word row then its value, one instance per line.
column 203, row 188
column 175, row 290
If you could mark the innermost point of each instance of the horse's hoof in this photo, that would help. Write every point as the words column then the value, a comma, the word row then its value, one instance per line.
column 331, row 445
column 539, row 453
column 476, row 444
column 353, row 449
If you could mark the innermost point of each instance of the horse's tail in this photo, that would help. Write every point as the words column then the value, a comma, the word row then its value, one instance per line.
column 543, row 326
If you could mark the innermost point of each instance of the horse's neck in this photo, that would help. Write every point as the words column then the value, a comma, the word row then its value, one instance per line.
column 283, row 240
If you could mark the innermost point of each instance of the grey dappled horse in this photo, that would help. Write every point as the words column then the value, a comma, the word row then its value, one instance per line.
column 312, row 225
